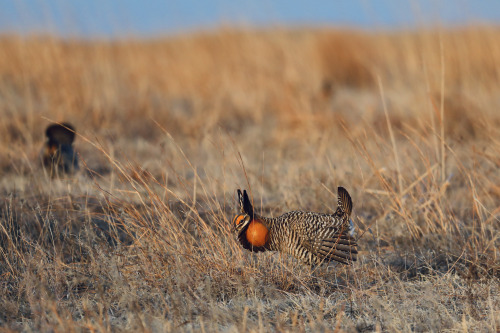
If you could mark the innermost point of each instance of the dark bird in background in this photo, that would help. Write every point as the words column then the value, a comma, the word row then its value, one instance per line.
column 313, row 238
column 59, row 154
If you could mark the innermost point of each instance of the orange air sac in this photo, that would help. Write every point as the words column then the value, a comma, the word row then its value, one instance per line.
column 257, row 233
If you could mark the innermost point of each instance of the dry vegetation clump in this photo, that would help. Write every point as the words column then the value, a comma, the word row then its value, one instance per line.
column 169, row 128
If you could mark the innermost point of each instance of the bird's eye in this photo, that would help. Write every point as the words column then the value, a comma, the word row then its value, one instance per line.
column 238, row 218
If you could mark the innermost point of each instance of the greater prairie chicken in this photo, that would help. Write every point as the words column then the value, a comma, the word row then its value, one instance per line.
column 313, row 238
column 58, row 153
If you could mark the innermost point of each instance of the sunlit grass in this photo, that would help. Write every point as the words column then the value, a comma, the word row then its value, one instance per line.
column 169, row 129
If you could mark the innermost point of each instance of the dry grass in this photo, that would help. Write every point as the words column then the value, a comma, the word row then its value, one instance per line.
column 407, row 122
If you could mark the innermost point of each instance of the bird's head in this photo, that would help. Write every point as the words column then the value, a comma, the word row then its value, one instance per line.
column 241, row 222
column 253, row 233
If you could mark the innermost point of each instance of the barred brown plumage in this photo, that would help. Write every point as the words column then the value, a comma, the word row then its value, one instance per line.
column 313, row 238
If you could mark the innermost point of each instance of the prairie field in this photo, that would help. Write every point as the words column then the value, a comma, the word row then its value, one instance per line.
column 140, row 239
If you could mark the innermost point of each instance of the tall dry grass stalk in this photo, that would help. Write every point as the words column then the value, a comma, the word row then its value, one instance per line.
column 168, row 129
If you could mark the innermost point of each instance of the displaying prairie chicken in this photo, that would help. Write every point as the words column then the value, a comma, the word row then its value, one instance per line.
column 58, row 153
column 313, row 238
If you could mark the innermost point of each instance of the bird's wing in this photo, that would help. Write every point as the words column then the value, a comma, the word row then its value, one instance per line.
column 326, row 237
column 332, row 244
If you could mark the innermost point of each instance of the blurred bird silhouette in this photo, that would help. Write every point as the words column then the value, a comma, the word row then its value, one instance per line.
column 58, row 154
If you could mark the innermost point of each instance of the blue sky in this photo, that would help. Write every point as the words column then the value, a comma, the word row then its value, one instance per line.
column 122, row 18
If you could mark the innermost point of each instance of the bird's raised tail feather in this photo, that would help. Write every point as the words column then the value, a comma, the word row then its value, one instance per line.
column 344, row 201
